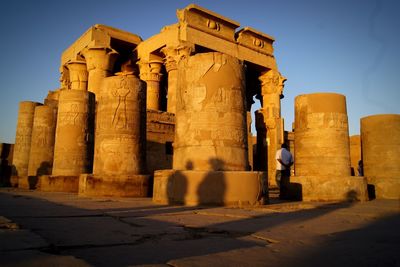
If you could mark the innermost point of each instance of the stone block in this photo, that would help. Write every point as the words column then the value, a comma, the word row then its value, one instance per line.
column 230, row 188
column 59, row 183
column 114, row 186
column 384, row 187
column 328, row 188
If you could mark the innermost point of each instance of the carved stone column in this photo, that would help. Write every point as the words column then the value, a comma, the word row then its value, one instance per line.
column 78, row 75
column 272, row 83
column 23, row 140
column 120, row 148
column 74, row 133
column 100, row 63
column 210, row 131
column 322, row 152
column 173, row 54
column 42, row 146
column 150, row 72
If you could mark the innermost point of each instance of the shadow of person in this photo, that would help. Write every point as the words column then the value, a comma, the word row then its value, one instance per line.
column 177, row 186
column 212, row 188
column 45, row 168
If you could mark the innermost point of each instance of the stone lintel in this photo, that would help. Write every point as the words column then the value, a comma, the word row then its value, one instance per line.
column 228, row 188
column 231, row 48
column 328, row 188
column 207, row 21
column 169, row 36
column 114, row 186
column 385, row 187
column 255, row 40
column 97, row 35
column 59, row 183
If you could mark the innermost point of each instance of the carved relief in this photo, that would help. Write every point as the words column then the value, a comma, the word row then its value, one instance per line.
column 213, row 25
column 121, row 92
column 257, row 42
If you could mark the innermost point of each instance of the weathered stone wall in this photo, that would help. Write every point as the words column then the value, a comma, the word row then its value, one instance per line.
column 321, row 135
column 42, row 145
column 73, row 149
column 23, row 137
column 211, row 129
column 120, row 127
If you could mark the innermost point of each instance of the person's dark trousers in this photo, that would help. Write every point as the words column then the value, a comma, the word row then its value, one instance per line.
column 283, row 181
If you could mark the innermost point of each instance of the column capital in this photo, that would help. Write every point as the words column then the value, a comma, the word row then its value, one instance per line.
column 100, row 57
column 78, row 75
column 174, row 54
column 150, row 70
column 272, row 82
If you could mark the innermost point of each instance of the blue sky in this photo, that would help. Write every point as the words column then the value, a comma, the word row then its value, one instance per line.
column 345, row 46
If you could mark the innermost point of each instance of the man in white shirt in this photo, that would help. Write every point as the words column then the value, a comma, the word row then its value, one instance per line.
column 284, row 160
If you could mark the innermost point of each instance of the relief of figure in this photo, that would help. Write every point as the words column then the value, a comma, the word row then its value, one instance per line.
column 120, row 120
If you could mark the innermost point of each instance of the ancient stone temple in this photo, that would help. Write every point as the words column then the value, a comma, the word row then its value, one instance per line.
column 380, row 139
column 172, row 114
column 322, row 151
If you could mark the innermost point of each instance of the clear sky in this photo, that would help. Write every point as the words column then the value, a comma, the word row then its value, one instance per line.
column 350, row 47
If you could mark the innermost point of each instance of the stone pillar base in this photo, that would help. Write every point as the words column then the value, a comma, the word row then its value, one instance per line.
column 114, row 186
column 59, row 183
column 328, row 188
column 228, row 188
column 28, row 182
column 384, row 188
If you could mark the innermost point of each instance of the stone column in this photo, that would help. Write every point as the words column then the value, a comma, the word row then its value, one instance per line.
column 74, row 133
column 100, row 63
column 23, row 140
column 43, row 136
column 173, row 54
column 120, row 151
column 78, row 75
column 380, row 140
column 321, row 135
column 272, row 83
column 150, row 72
column 322, row 153
column 120, row 129
column 210, row 131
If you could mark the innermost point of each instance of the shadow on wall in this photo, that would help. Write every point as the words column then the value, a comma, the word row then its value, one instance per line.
column 203, row 188
column 211, row 190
